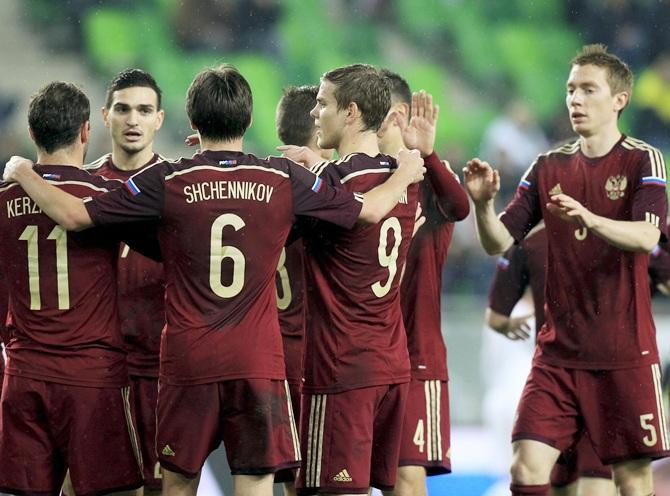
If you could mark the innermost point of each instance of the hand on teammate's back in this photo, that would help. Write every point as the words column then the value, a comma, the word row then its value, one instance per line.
column 303, row 155
column 13, row 166
column 410, row 164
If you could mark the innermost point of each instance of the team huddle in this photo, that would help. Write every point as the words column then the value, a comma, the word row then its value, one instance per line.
column 289, row 306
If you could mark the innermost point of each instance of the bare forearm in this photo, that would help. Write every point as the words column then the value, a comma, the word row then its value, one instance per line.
column 497, row 321
column 65, row 209
column 626, row 235
column 380, row 200
column 493, row 235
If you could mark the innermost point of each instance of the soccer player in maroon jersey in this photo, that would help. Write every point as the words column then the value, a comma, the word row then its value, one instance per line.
column 224, row 218
column 604, row 203
column 133, row 114
column 4, row 338
column 356, row 366
column 295, row 127
column 425, row 448
column 522, row 266
column 65, row 401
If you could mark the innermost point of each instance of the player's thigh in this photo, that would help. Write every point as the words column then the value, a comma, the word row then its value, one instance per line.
column 144, row 397
column 410, row 481
column 188, row 427
column 633, row 477
column 336, row 432
column 532, row 461
column 387, row 435
column 258, row 428
column 26, row 440
column 426, row 427
column 595, row 486
column 548, row 411
column 102, row 451
column 624, row 413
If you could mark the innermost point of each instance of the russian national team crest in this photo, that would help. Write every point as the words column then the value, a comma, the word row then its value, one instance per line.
column 615, row 187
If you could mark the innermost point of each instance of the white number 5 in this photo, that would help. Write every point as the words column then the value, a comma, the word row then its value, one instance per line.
column 645, row 423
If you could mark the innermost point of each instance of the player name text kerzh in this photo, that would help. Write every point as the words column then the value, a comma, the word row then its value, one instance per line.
column 228, row 190
column 22, row 205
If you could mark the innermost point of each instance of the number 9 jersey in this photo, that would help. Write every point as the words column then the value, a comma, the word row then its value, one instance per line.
column 355, row 335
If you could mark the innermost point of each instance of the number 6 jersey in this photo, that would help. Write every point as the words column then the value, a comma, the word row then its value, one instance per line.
column 224, row 219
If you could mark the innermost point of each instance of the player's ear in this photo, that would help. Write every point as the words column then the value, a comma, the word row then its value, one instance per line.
column 193, row 126
column 30, row 131
column 105, row 115
column 621, row 100
column 353, row 111
column 159, row 119
column 402, row 108
column 85, row 131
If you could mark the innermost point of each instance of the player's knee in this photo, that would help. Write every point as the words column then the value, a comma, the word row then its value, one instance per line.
column 526, row 471
column 634, row 478
column 410, row 481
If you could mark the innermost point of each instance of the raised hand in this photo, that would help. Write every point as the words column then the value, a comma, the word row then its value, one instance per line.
column 482, row 182
column 518, row 328
column 192, row 140
column 420, row 132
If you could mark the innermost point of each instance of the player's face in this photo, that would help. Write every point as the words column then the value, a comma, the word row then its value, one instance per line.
column 133, row 118
column 590, row 102
column 329, row 121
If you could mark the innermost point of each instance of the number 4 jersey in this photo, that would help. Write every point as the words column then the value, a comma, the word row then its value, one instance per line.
column 355, row 335
column 62, row 310
column 224, row 219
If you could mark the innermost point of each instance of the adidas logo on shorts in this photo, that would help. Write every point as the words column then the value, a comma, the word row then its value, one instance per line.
column 343, row 476
column 167, row 451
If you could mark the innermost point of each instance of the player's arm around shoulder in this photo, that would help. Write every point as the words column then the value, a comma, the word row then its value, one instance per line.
column 65, row 209
column 380, row 200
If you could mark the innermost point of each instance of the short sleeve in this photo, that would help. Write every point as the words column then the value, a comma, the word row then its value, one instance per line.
column 139, row 199
column 650, row 203
column 524, row 211
column 313, row 196
column 510, row 280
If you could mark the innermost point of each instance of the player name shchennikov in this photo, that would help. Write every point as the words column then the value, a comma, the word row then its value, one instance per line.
column 22, row 205
column 228, row 190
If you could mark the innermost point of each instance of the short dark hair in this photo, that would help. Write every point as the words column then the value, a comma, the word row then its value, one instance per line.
column 130, row 78
column 219, row 103
column 56, row 114
column 400, row 91
column 366, row 87
column 294, row 124
column 619, row 75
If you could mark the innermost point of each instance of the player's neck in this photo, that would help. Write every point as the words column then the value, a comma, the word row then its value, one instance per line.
column 361, row 142
column 65, row 156
column 392, row 147
column 221, row 146
column 598, row 145
column 129, row 162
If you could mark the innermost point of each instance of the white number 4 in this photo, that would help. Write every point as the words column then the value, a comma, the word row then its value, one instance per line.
column 418, row 436
column 646, row 423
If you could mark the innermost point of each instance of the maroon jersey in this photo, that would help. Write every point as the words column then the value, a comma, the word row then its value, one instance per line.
column 523, row 265
column 141, row 290
column 224, row 219
column 354, row 335
column 598, row 302
column 659, row 265
column 4, row 337
column 63, row 318
column 443, row 201
column 290, row 290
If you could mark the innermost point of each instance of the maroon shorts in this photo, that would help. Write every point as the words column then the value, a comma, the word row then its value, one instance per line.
column 288, row 475
column 622, row 411
column 48, row 428
column 581, row 461
column 351, row 440
column 144, row 395
column 425, row 432
column 251, row 416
